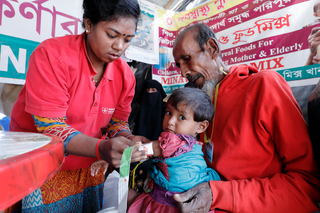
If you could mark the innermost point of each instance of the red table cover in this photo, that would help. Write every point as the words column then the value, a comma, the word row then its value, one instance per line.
column 22, row 174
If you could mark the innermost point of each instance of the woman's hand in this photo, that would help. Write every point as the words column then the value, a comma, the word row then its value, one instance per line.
column 137, row 138
column 111, row 150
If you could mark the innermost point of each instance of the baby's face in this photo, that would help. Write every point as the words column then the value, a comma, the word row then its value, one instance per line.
column 180, row 120
column 317, row 12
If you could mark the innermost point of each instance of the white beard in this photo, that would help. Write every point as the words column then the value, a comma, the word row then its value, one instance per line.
column 208, row 87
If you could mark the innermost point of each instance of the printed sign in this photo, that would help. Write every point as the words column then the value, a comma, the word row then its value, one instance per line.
column 265, row 34
column 144, row 46
column 24, row 24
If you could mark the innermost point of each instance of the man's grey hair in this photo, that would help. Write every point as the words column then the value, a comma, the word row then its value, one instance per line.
column 202, row 33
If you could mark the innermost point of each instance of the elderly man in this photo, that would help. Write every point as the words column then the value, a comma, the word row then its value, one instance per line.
column 259, row 143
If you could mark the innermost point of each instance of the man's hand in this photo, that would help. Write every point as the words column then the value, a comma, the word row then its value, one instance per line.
column 197, row 199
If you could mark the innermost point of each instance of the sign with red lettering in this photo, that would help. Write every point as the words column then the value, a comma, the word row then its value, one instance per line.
column 261, row 33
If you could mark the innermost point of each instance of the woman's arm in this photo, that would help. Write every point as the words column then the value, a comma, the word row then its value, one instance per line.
column 79, row 144
column 118, row 127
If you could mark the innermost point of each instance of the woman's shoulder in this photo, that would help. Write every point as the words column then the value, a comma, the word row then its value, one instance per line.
column 63, row 40
column 65, row 46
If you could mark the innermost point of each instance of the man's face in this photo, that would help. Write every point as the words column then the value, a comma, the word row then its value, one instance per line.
column 197, row 66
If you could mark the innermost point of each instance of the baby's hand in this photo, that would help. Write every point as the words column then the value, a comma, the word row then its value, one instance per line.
column 96, row 166
column 151, row 149
column 156, row 149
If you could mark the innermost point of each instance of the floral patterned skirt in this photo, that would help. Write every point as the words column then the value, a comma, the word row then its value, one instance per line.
column 68, row 191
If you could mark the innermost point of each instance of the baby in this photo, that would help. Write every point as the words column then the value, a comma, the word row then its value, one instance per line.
column 178, row 164
column 96, row 166
column 316, row 13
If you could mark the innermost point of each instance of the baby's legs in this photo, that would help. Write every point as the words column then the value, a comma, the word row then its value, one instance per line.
column 132, row 195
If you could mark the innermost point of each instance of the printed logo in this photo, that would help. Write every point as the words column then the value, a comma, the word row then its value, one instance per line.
column 168, row 21
column 106, row 110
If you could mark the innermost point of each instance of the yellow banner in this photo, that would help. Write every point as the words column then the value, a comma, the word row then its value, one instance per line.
column 170, row 21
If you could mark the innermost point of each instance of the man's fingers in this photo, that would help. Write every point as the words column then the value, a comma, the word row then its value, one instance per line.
column 196, row 199
column 178, row 198
column 194, row 205
column 183, row 197
column 188, row 205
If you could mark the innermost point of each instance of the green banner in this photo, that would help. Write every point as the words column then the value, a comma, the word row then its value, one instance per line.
column 301, row 73
column 14, row 56
column 169, row 89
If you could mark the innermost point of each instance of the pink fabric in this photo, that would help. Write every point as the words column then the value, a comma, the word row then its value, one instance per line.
column 169, row 143
column 144, row 203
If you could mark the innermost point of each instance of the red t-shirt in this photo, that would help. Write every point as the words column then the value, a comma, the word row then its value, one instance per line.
column 260, row 146
column 59, row 83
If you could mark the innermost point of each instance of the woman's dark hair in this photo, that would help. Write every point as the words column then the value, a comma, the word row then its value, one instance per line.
column 109, row 10
column 195, row 98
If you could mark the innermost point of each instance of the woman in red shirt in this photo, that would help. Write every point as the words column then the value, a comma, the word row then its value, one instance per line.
column 78, row 88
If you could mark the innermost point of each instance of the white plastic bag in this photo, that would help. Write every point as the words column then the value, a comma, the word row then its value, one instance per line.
column 116, row 188
column 110, row 190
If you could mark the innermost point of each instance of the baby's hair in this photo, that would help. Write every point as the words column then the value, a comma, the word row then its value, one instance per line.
column 196, row 99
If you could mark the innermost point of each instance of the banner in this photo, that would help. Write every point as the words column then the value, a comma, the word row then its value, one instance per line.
column 144, row 46
column 264, row 34
column 24, row 24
